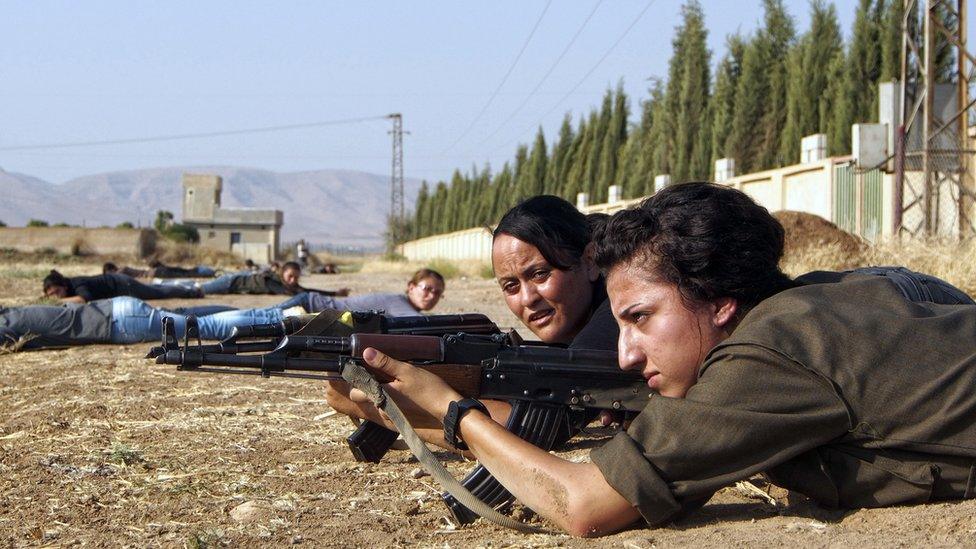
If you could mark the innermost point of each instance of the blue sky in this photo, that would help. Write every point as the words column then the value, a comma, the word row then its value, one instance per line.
column 100, row 70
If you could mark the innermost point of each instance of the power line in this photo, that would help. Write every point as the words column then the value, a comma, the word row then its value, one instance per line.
column 592, row 69
column 546, row 76
column 504, row 79
column 175, row 137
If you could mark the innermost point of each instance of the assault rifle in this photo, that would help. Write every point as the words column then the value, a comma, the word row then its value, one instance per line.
column 553, row 391
column 370, row 441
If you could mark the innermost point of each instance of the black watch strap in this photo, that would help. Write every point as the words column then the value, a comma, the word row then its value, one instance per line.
column 452, row 421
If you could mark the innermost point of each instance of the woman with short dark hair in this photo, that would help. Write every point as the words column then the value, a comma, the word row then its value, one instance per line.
column 543, row 263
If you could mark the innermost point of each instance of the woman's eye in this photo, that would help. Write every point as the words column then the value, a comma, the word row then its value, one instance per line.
column 540, row 275
column 510, row 288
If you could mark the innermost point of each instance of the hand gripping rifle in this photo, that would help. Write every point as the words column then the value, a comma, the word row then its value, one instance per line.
column 551, row 389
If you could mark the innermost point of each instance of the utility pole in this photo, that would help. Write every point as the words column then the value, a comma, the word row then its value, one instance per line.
column 396, row 221
column 934, row 190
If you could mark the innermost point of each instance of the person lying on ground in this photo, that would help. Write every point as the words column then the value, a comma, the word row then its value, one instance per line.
column 843, row 390
column 542, row 260
column 261, row 283
column 158, row 270
column 120, row 320
column 424, row 290
column 82, row 289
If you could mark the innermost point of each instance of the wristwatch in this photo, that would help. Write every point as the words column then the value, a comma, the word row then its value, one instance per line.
column 452, row 421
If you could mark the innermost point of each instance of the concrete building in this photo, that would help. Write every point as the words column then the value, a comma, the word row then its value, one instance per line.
column 251, row 233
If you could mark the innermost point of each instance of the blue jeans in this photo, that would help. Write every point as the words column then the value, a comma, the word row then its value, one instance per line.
column 134, row 320
column 920, row 287
column 219, row 285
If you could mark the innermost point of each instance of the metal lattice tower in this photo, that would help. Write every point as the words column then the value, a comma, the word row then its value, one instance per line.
column 396, row 181
column 934, row 184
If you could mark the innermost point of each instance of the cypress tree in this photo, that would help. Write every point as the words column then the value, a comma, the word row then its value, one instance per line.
column 809, row 72
column 894, row 11
column 533, row 177
column 863, row 66
column 836, row 112
column 780, row 37
column 560, row 156
column 691, row 60
column 575, row 167
column 613, row 141
column 722, row 103
column 600, row 126
column 656, row 146
column 439, row 213
column 420, row 211
column 744, row 139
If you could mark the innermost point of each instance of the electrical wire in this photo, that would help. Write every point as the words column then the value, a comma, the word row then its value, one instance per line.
column 502, row 83
column 546, row 76
column 175, row 137
column 589, row 72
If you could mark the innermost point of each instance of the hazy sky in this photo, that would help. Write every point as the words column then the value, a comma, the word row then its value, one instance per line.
column 102, row 70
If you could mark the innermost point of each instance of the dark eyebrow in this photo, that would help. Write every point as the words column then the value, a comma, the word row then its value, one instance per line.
column 627, row 310
column 526, row 272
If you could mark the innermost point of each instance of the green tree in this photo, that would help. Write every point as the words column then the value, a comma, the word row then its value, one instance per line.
column 579, row 172
column 561, row 151
column 420, row 211
column 613, row 141
column 809, row 73
column 532, row 178
column 722, row 102
column 863, row 66
column 688, row 97
column 37, row 223
column 890, row 38
column 164, row 219
column 125, row 225
column 779, row 36
column 656, row 146
column 600, row 127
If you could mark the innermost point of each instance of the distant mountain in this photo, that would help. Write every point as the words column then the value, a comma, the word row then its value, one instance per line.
column 339, row 207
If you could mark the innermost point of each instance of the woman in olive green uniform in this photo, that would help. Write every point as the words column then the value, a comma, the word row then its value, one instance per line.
column 843, row 390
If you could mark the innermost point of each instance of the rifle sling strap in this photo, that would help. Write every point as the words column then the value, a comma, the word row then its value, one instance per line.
column 358, row 377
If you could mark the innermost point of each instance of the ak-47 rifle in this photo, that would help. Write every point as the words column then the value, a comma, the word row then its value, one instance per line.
column 370, row 441
column 551, row 389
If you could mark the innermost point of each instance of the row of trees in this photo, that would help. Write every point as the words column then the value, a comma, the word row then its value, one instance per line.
column 769, row 90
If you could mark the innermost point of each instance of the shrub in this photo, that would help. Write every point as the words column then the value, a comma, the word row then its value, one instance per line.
column 125, row 225
column 448, row 269
column 37, row 223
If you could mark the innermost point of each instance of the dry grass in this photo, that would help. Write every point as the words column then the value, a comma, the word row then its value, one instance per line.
column 952, row 261
column 100, row 447
column 179, row 253
column 447, row 268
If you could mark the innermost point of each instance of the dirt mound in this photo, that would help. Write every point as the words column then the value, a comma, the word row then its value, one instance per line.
column 805, row 231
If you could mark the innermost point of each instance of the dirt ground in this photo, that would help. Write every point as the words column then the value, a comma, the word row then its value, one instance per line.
column 101, row 447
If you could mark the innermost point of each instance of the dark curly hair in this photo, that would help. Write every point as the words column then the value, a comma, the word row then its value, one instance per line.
column 551, row 224
column 710, row 240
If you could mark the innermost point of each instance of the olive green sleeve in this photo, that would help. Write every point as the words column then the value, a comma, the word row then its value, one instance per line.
column 751, row 409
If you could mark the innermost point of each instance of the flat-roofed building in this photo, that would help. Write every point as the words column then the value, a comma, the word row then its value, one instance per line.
column 252, row 233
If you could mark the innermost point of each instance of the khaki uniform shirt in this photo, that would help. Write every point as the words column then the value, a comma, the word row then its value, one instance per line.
column 845, row 392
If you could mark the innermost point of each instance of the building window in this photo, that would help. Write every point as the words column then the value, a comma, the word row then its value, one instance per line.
column 235, row 238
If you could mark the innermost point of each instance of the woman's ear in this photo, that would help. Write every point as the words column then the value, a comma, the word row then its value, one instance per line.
column 589, row 266
column 725, row 311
